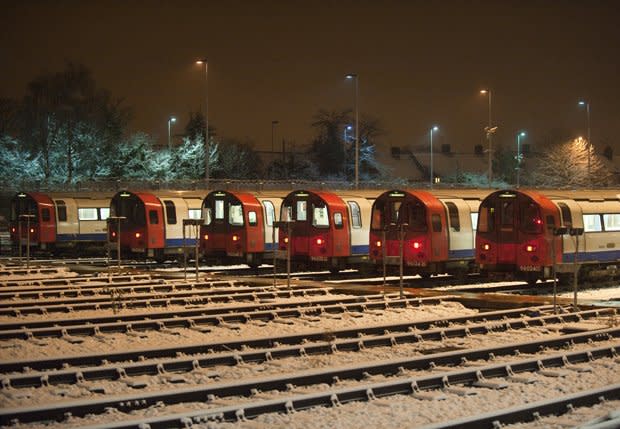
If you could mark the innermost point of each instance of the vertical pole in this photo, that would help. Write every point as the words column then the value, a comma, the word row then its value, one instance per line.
column 357, row 134
column 576, row 272
column 383, row 256
column 169, row 143
column 490, row 138
column 109, row 248
column 519, row 160
column 555, row 281
column 196, row 248
column 590, row 147
column 207, row 142
column 401, row 239
column 19, row 234
column 118, row 243
column 431, row 178
column 274, row 249
column 28, row 242
column 288, row 254
column 184, row 254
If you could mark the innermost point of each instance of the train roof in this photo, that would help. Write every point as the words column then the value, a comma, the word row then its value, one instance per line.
column 69, row 195
column 166, row 194
column 576, row 195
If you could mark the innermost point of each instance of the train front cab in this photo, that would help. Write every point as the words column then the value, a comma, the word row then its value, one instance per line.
column 142, row 229
column 238, row 227
column 515, row 235
column 322, row 234
column 33, row 216
column 425, row 235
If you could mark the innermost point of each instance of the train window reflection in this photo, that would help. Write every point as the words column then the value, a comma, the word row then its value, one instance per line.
column 530, row 218
column 269, row 212
column 338, row 220
column 486, row 219
column 356, row 216
column 87, row 214
column 207, row 215
column 320, row 217
column 235, row 214
column 301, row 210
column 394, row 211
column 417, row 217
column 612, row 222
column 567, row 217
column 507, row 215
column 153, row 217
column 286, row 214
column 252, row 218
column 377, row 216
column 592, row 223
column 104, row 213
column 219, row 209
column 62, row 211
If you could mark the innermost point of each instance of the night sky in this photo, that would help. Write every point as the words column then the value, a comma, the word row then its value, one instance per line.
column 419, row 63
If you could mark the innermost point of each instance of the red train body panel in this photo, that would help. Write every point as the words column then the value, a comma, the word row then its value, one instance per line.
column 40, row 229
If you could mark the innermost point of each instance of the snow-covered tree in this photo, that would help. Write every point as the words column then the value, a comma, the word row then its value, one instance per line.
column 133, row 158
column 15, row 164
column 236, row 160
column 566, row 165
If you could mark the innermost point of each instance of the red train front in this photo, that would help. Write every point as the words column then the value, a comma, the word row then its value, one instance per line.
column 515, row 232
column 33, row 216
column 420, row 218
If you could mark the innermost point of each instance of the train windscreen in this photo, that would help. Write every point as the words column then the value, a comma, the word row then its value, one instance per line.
column 130, row 208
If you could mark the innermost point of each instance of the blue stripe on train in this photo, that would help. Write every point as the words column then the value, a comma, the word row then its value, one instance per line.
column 461, row 254
column 81, row 237
column 178, row 242
column 361, row 249
column 602, row 256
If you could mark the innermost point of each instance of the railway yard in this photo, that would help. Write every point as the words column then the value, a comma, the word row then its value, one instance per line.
column 83, row 345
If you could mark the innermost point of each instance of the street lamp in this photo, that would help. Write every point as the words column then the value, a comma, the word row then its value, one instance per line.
column 273, row 127
column 489, row 130
column 589, row 146
column 357, row 128
column 204, row 61
column 170, row 121
column 347, row 128
column 434, row 128
column 521, row 134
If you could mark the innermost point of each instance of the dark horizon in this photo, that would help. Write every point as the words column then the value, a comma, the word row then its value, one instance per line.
column 419, row 64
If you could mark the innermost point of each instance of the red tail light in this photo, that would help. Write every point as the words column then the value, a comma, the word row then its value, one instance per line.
column 138, row 235
column 319, row 241
column 486, row 246
column 235, row 238
column 417, row 245
column 113, row 233
column 530, row 248
column 13, row 230
column 378, row 243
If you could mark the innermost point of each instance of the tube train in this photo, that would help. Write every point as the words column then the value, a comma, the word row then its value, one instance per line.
column 519, row 233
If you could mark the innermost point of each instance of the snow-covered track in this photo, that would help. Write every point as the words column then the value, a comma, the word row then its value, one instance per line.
column 194, row 318
column 491, row 375
column 76, row 369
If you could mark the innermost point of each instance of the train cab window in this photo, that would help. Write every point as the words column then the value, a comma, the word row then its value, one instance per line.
column 207, row 215
column 530, row 218
column 356, row 215
column 320, row 217
column 338, row 220
column 235, row 214
column 436, row 222
column 88, row 214
column 252, row 220
column 486, row 219
column 301, row 210
column 219, row 209
column 611, row 222
column 567, row 217
column 45, row 215
column 286, row 214
column 270, row 212
column 507, row 215
column 104, row 213
column 377, row 217
column 194, row 213
column 61, row 207
column 592, row 223
column 417, row 217
column 153, row 217
column 171, row 212
column 453, row 214
column 394, row 211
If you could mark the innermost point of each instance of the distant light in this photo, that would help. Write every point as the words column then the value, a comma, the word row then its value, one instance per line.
column 582, row 103
column 483, row 91
column 522, row 134
column 350, row 76
column 203, row 61
column 173, row 119
column 435, row 128
column 349, row 127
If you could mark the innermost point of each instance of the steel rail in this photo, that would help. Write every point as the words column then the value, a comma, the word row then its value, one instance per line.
column 291, row 339
column 132, row 402
column 155, row 300
column 51, row 282
column 241, row 354
column 532, row 411
column 191, row 318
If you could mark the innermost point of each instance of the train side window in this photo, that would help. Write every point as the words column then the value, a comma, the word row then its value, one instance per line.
column 320, row 217
column 453, row 214
column 531, row 221
column 417, row 218
column 270, row 212
column 356, row 215
column 611, row 222
column 45, row 215
column 286, row 214
column 567, row 217
column 436, row 222
column 88, row 214
column 219, row 209
column 252, row 218
column 62, row 211
column 104, row 213
column 592, row 223
column 207, row 216
column 235, row 214
column 194, row 213
column 301, row 210
column 338, row 220
column 153, row 217
column 171, row 212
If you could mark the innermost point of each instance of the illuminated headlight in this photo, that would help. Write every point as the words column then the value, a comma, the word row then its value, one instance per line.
column 285, row 239
column 378, row 243
column 206, row 236
column 235, row 238
column 530, row 248
column 486, row 247
column 319, row 241
column 138, row 235
column 417, row 245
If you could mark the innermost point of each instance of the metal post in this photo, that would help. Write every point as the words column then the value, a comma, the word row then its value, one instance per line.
column 196, row 249
column 431, row 178
column 206, row 133
column 274, row 249
column 28, row 242
column 384, row 255
column 576, row 272
column 555, row 281
column 288, row 255
column 490, row 138
column 184, row 253
column 402, row 228
column 357, row 128
column 19, row 234
column 118, row 242
column 589, row 145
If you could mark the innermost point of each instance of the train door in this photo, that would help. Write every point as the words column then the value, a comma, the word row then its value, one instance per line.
column 359, row 235
column 67, row 225
column 571, row 216
column 460, row 237
column 506, row 228
column 301, row 227
column 269, row 216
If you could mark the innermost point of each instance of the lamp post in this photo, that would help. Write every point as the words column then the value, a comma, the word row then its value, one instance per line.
column 204, row 61
column 273, row 133
column 432, row 178
column 347, row 128
column 171, row 120
column 489, row 130
column 587, row 105
column 357, row 129
column 521, row 134
column 344, row 150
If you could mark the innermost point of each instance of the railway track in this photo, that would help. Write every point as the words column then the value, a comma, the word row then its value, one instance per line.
column 449, row 370
column 202, row 317
column 111, row 366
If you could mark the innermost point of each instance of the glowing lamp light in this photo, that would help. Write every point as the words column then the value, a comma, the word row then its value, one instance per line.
column 113, row 234
column 32, row 230
column 417, row 245
column 206, row 236
column 486, row 247
column 538, row 221
column 378, row 243
column 235, row 238
column 286, row 239
column 13, row 229
column 138, row 235
column 319, row 241
column 530, row 248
